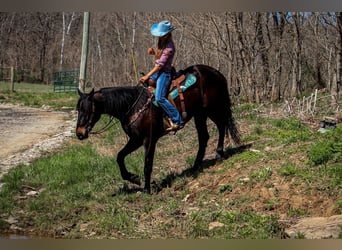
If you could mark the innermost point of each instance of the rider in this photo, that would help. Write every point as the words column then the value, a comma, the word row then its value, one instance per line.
column 161, row 72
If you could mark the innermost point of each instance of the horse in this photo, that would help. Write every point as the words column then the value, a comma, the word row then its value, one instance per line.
column 143, row 122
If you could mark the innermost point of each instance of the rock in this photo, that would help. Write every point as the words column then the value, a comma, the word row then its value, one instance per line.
column 317, row 228
column 11, row 220
column 244, row 180
column 84, row 227
column 32, row 193
column 215, row 224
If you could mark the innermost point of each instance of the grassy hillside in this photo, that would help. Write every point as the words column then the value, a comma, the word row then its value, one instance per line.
column 284, row 170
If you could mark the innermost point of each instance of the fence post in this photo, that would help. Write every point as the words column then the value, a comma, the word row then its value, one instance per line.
column 315, row 100
column 12, row 79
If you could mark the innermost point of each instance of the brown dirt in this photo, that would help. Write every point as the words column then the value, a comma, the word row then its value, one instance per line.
column 26, row 133
column 290, row 198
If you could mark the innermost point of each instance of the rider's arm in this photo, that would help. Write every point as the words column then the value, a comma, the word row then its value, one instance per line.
column 155, row 69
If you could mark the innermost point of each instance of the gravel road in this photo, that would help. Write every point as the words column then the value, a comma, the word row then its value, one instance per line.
column 26, row 133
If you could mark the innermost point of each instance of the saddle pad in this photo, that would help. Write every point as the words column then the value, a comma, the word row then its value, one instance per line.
column 189, row 81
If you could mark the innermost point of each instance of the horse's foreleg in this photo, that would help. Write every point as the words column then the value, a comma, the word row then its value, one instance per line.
column 203, row 137
column 131, row 146
column 149, row 156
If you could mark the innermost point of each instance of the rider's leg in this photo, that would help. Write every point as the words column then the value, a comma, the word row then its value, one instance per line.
column 163, row 83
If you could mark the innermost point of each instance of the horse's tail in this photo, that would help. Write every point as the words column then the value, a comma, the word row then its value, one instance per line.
column 231, row 127
column 230, row 123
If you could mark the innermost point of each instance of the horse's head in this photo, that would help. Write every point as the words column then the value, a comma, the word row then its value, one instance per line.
column 86, row 114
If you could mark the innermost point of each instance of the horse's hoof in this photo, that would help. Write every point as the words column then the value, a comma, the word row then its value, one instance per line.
column 132, row 178
column 146, row 191
column 219, row 158
column 135, row 180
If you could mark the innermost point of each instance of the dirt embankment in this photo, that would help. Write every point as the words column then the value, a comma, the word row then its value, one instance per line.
column 26, row 133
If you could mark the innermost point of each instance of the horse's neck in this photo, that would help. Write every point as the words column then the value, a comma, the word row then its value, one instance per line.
column 113, row 109
column 116, row 106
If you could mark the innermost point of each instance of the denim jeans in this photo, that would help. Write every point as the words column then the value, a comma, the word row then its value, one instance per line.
column 163, row 80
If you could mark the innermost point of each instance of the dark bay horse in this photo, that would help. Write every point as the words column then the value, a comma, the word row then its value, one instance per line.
column 144, row 124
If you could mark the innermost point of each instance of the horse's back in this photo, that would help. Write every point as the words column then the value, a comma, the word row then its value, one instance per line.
column 210, row 75
column 213, row 85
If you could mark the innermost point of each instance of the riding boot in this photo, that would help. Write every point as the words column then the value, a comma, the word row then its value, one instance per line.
column 174, row 126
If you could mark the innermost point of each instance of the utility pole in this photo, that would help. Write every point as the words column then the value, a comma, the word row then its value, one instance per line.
column 85, row 41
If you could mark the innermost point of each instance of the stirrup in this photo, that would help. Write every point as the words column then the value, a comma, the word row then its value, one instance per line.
column 174, row 126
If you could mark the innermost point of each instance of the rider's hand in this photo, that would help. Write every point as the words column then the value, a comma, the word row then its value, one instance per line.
column 150, row 51
column 143, row 79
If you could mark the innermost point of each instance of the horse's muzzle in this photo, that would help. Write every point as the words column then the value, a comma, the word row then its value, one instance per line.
column 82, row 133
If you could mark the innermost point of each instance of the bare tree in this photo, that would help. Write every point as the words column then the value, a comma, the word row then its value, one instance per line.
column 278, row 19
column 265, row 56
column 296, row 54
column 336, row 86
column 65, row 31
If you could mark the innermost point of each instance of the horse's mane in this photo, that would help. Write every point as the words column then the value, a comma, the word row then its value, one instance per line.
column 121, row 100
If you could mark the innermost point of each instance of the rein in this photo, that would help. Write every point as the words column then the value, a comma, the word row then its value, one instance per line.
column 105, row 128
column 135, row 103
column 136, row 115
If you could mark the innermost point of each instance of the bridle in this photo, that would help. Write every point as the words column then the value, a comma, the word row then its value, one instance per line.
column 110, row 123
column 104, row 128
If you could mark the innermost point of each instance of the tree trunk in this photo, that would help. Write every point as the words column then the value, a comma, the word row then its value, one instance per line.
column 264, row 57
column 296, row 49
column 250, row 85
column 317, row 66
column 279, row 25
column 62, row 44
column 336, row 84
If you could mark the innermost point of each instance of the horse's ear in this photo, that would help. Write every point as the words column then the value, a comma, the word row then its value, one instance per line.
column 91, row 94
column 80, row 93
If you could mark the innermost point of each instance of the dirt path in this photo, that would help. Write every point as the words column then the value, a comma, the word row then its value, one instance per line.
column 26, row 133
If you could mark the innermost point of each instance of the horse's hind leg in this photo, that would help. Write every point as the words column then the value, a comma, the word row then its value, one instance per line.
column 219, row 150
column 220, row 124
column 131, row 146
column 203, row 136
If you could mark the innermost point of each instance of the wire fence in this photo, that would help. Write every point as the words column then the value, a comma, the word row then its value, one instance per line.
column 311, row 105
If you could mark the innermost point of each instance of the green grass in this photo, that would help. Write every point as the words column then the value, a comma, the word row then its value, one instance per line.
column 289, row 169
column 82, row 194
column 37, row 95
column 235, row 225
column 78, row 184
column 26, row 87
column 328, row 148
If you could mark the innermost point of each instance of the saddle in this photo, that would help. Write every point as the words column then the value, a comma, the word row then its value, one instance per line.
column 179, row 84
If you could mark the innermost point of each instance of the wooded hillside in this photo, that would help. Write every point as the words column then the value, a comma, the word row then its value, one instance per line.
column 264, row 55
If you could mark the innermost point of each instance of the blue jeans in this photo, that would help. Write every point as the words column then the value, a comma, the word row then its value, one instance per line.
column 163, row 80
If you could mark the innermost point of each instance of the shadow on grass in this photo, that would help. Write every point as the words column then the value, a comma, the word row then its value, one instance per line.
column 189, row 172
column 195, row 171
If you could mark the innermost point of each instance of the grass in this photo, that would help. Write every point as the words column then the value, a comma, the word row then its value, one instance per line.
column 328, row 148
column 82, row 195
column 37, row 95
